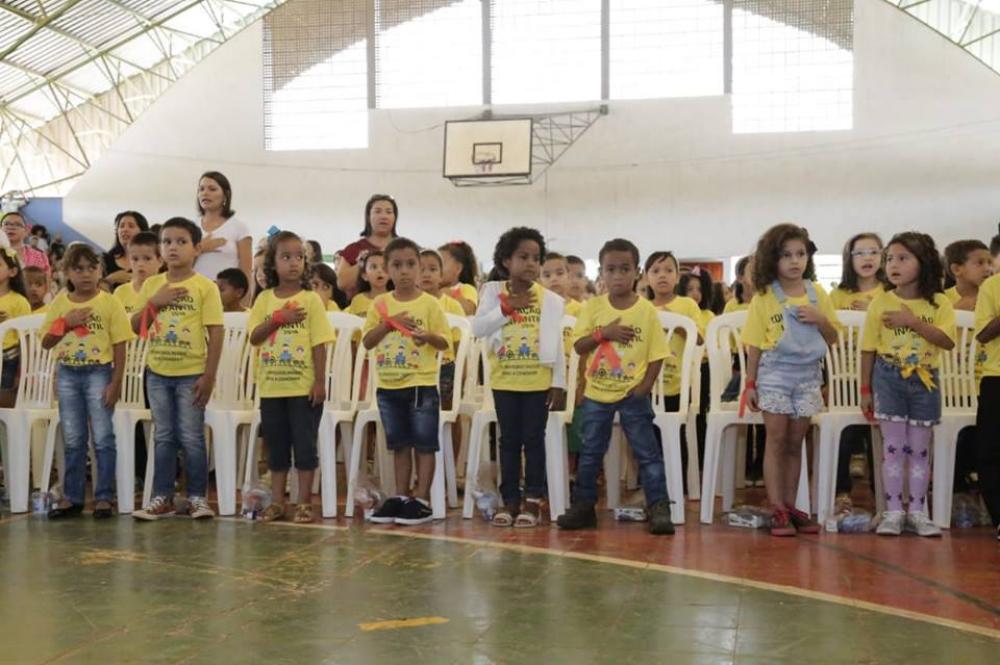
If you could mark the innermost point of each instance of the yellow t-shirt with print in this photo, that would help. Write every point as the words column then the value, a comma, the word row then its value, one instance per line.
column 399, row 362
column 765, row 321
column 844, row 299
column 108, row 325
column 988, row 309
column 128, row 297
column 467, row 291
column 515, row 365
column 451, row 306
column 360, row 304
column 952, row 295
column 13, row 305
column 608, row 383
column 572, row 308
column 179, row 347
column 901, row 346
column 285, row 362
column 672, row 363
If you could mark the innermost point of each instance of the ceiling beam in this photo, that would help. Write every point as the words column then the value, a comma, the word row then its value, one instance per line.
column 40, row 24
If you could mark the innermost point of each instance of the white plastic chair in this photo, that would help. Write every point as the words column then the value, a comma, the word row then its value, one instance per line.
column 959, row 401
column 130, row 411
column 691, row 429
column 477, row 437
column 35, row 402
column 722, row 417
column 843, row 362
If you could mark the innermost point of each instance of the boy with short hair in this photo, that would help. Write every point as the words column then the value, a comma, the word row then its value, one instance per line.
column 36, row 283
column 180, row 312
column 970, row 263
column 556, row 277
column 624, row 344
column 577, row 289
column 143, row 254
column 233, row 287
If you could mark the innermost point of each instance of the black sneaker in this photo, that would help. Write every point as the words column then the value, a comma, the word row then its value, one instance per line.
column 414, row 512
column 660, row 523
column 388, row 511
column 72, row 510
column 580, row 515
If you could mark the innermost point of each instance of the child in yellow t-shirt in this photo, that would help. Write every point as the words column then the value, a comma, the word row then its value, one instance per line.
column 144, row 261
column 458, row 274
column 970, row 263
column 521, row 322
column 373, row 281
column 180, row 312
column 13, row 303
column 430, row 283
column 663, row 273
column 37, row 285
column 407, row 328
column 697, row 285
column 906, row 330
column 288, row 324
column 789, row 324
column 324, row 284
column 87, row 330
column 862, row 277
column 988, row 416
column 620, row 336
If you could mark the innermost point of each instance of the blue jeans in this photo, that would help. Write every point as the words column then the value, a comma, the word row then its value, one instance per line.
column 81, row 398
column 637, row 422
column 177, row 423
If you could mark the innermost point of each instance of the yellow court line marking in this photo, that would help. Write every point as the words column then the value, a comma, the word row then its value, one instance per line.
column 402, row 623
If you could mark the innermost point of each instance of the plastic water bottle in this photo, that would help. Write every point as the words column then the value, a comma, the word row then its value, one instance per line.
column 256, row 500
column 487, row 504
column 860, row 522
column 41, row 502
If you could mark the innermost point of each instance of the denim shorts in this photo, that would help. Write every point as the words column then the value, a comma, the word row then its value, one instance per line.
column 11, row 370
column 410, row 417
column 905, row 400
column 789, row 389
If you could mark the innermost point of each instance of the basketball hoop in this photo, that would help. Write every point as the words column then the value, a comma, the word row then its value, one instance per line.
column 485, row 167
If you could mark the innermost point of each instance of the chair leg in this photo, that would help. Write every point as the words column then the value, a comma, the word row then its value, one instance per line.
column 693, row 472
column 125, row 462
column 49, row 455
column 448, row 450
column 354, row 466
column 474, row 446
column 945, row 444
column 802, row 496
column 225, row 468
column 328, row 466
column 730, row 466
column 17, row 464
column 438, row 494
column 877, row 470
column 556, row 464
column 710, row 473
column 613, row 468
column 670, row 435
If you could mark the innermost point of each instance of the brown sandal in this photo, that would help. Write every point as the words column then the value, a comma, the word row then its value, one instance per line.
column 273, row 513
column 303, row 514
column 504, row 517
column 530, row 514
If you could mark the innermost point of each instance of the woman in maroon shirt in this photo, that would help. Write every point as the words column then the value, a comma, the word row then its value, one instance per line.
column 381, row 213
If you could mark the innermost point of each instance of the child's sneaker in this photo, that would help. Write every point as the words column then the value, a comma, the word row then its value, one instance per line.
column 159, row 508
column 198, row 508
column 802, row 521
column 414, row 512
column 388, row 511
column 660, row 523
column 781, row 525
column 891, row 523
column 580, row 515
column 920, row 523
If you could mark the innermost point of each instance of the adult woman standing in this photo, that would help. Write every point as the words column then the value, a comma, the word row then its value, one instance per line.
column 381, row 213
column 16, row 228
column 226, row 242
column 116, row 265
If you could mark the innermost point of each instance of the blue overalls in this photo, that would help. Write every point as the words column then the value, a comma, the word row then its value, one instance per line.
column 790, row 375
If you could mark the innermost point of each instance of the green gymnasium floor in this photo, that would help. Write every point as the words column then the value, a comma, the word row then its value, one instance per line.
column 236, row 593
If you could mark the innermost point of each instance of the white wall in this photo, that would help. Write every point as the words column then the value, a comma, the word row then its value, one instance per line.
column 668, row 174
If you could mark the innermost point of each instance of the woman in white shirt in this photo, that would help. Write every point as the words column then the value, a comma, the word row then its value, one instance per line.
column 226, row 241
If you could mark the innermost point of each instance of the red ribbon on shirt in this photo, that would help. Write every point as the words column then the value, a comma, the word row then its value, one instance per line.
column 605, row 350
column 60, row 328
column 149, row 313
column 510, row 310
column 456, row 292
column 383, row 311
column 280, row 317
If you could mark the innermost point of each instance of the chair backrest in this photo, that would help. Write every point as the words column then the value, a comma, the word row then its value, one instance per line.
column 36, row 389
column 234, row 385
column 958, row 367
column 722, row 332
column 843, row 363
column 572, row 368
column 699, row 354
column 464, row 327
column 133, row 384
column 340, row 384
column 674, row 324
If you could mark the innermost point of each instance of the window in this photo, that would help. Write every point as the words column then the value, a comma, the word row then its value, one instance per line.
column 316, row 76
column 546, row 51
column 666, row 48
column 429, row 53
column 793, row 65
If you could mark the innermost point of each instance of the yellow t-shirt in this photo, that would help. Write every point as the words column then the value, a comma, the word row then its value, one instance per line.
column 765, row 321
column 844, row 299
column 108, row 325
column 360, row 304
column 13, row 304
column 952, row 295
column 987, row 309
column 331, row 306
column 180, row 346
column 515, row 366
column 451, row 306
column 44, row 309
column 672, row 363
column 608, row 383
column 902, row 346
column 467, row 291
column 128, row 297
column 399, row 362
column 285, row 365
column 572, row 308
column 735, row 305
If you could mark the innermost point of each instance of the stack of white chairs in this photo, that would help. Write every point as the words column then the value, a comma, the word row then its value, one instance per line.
column 35, row 403
column 960, row 400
